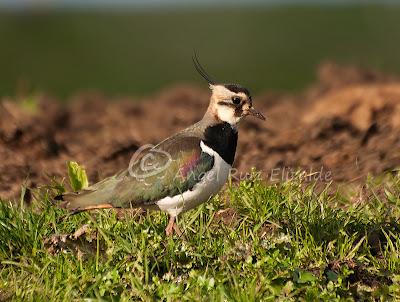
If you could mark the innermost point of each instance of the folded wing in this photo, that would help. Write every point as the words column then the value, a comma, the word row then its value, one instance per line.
column 168, row 169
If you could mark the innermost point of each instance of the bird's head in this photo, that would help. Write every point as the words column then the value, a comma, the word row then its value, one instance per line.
column 229, row 102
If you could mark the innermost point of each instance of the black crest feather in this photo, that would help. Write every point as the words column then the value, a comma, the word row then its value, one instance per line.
column 201, row 70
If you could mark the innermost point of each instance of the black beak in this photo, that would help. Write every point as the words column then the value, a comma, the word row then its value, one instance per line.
column 256, row 113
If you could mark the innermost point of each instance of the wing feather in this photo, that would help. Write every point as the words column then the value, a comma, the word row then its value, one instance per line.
column 187, row 164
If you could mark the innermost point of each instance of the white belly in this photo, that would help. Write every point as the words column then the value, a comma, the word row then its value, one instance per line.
column 211, row 184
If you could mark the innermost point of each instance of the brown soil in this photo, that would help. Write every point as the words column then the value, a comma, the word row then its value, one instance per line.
column 347, row 124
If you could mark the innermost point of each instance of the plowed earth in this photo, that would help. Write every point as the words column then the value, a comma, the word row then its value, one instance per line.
column 342, row 128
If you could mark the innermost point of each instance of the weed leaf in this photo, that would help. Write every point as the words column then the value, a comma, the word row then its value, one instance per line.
column 77, row 176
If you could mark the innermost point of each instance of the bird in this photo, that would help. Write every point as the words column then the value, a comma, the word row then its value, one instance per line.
column 184, row 170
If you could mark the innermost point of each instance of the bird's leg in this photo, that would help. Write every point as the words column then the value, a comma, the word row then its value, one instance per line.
column 172, row 226
column 177, row 230
column 169, row 230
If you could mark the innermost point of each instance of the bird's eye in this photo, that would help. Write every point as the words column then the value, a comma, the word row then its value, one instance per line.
column 236, row 100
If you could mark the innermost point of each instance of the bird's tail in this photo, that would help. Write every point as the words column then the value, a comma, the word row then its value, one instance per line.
column 83, row 201
column 98, row 196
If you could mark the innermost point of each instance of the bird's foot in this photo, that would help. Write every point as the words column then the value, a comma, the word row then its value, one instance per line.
column 169, row 230
column 171, row 227
column 177, row 230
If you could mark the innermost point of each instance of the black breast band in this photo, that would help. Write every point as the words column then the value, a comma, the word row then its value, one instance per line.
column 222, row 138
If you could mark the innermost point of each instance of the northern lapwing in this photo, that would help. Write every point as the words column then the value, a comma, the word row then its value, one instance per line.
column 182, row 171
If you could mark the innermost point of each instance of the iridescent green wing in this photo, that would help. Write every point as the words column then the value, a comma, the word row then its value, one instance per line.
column 169, row 169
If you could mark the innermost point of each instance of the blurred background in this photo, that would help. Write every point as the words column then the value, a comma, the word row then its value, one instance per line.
column 126, row 47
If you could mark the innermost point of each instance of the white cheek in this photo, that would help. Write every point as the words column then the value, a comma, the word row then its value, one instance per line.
column 227, row 114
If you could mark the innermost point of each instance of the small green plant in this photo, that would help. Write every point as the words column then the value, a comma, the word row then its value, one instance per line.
column 77, row 176
column 29, row 105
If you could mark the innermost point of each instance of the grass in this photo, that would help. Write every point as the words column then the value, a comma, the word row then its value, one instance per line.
column 253, row 242
column 139, row 52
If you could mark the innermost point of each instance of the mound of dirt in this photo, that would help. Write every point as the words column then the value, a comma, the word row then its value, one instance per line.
column 345, row 126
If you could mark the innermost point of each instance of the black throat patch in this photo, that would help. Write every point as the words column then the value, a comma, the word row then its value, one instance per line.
column 222, row 138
